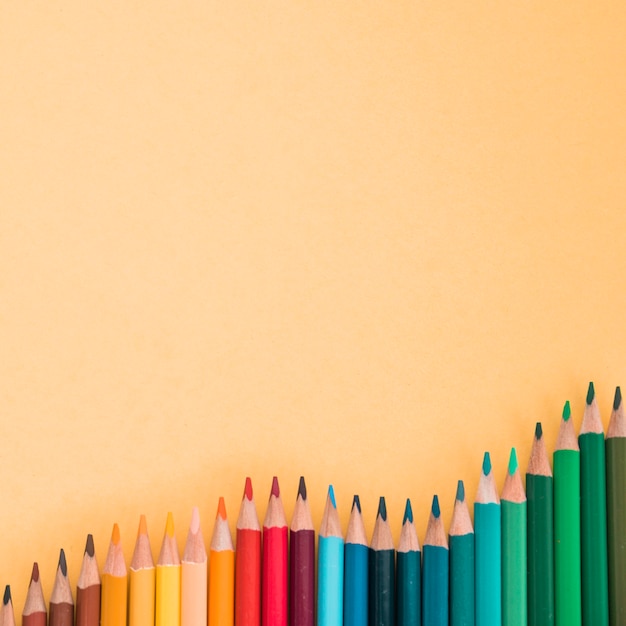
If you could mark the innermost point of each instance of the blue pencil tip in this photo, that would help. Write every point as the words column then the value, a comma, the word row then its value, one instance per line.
column 486, row 464
column 460, row 491
column 331, row 495
column 436, row 511
column 408, row 512
column 382, row 508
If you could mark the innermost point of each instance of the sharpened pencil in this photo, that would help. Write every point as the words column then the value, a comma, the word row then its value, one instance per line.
column 221, row 571
column 167, row 599
column 88, row 588
column 194, row 576
column 408, row 573
column 61, row 600
column 34, row 613
column 381, row 569
column 114, row 599
column 142, row 580
column 355, row 575
column 436, row 570
column 7, row 615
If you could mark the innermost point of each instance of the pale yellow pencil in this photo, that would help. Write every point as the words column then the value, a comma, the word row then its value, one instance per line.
column 168, row 579
column 193, row 608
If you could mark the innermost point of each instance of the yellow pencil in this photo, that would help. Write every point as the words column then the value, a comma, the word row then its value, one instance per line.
column 114, row 584
column 142, row 580
column 168, row 579
column 221, row 572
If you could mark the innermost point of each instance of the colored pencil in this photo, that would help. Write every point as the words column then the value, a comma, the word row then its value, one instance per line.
column 7, row 615
column 88, row 588
column 61, row 600
column 274, row 574
column 221, row 572
column 436, row 570
column 167, row 599
column 142, row 580
column 355, row 575
column 408, row 573
column 488, row 538
column 567, row 576
column 194, row 576
column 302, row 562
column 540, row 537
column 616, row 510
column 514, row 564
column 595, row 569
column 114, row 601
column 381, row 570
column 34, row 613
column 462, row 565
column 248, row 562
column 330, row 566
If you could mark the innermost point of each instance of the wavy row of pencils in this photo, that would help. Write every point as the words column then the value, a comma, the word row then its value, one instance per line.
column 553, row 552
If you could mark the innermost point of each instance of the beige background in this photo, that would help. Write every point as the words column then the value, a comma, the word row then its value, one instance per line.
column 359, row 242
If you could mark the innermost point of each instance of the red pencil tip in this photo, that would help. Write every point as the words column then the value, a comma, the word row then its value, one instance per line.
column 247, row 492
column 35, row 575
column 275, row 487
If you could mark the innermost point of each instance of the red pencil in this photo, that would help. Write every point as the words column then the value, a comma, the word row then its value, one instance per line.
column 274, row 579
column 248, row 563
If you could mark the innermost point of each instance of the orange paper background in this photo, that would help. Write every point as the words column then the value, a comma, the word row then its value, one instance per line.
column 358, row 242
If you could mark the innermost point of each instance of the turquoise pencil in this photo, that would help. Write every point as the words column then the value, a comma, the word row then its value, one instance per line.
column 488, row 537
column 355, row 573
column 435, row 571
column 408, row 573
column 330, row 566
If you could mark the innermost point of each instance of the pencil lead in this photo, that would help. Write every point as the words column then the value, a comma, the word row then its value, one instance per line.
column 143, row 526
column 356, row 502
column 538, row 431
column 63, row 562
column 302, row 488
column 221, row 509
column 7, row 595
column 436, row 511
column 382, row 508
column 89, row 547
column 590, row 393
column 34, row 577
column 513, row 465
column 486, row 464
column 331, row 495
column 247, row 491
column 618, row 398
column 567, row 411
column 460, row 491
column 275, row 488
column 194, row 525
column 408, row 512
column 169, row 524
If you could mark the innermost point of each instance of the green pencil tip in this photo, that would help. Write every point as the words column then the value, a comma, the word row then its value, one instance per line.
column 331, row 495
column 460, row 491
column 436, row 511
column 408, row 512
column 590, row 393
column 538, row 431
column 567, row 411
column 486, row 464
column 618, row 398
column 382, row 508
column 513, row 465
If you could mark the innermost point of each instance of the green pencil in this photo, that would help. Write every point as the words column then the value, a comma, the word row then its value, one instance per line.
column 513, row 502
column 616, row 510
column 567, row 581
column 539, row 491
column 595, row 569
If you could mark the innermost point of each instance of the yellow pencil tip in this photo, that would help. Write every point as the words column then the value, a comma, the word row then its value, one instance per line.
column 221, row 509
column 169, row 525
column 115, row 535
column 143, row 525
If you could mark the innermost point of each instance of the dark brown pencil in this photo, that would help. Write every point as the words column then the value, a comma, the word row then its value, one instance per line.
column 61, row 601
column 34, row 613
column 88, row 589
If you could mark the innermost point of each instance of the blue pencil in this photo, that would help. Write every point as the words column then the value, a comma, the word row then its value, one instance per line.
column 330, row 566
column 355, row 570
column 435, row 570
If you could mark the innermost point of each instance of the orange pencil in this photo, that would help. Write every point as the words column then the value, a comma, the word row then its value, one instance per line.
column 88, row 588
column 142, row 580
column 248, row 562
column 34, row 613
column 114, row 584
column 193, row 606
column 221, row 572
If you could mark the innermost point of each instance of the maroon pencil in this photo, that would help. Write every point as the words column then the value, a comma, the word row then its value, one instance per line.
column 34, row 613
column 302, row 563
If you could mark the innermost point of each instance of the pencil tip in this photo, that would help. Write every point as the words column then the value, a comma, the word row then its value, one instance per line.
column 7, row 595
column 302, row 488
column 436, row 511
column 143, row 525
column 34, row 577
column 275, row 488
column 408, row 512
column 382, row 508
column 247, row 491
column 89, row 547
column 590, row 393
column 331, row 495
column 567, row 411
column 194, row 525
column 486, row 464
column 618, row 398
column 115, row 535
column 356, row 502
column 513, row 465
column 169, row 524
column 538, row 431
column 221, row 508
column 62, row 563
column 460, row 491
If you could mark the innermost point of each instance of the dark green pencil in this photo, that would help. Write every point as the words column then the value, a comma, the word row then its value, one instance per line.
column 381, row 570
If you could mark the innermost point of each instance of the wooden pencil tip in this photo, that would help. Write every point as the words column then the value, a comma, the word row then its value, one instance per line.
column 538, row 431
column 194, row 526
column 275, row 488
column 143, row 525
column 436, row 511
column 460, row 491
column 408, row 512
column 34, row 577
column 356, row 502
column 567, row 411
column 302, row 488
column 115, row 535
column 7, row 595
column 382, row 508
column 169, row 524
column 62, row 563
column 331, row 495
column 89, row 547
column 221, row 509
column 486, row 464
column 513, row 464
column 247, row 490
column 617, row 400
column 590, row 393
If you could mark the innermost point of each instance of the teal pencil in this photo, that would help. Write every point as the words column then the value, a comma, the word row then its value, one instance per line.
column 408, row 573
column 488, row 535
column 382, row 572
column 461, row 562
column 355, row 575
column 330, row 566
column 435, row 571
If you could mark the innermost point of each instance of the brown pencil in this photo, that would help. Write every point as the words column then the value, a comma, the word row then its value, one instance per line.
column 7, row 617
column 88, row 588
column 34, row 613
column 61, row 601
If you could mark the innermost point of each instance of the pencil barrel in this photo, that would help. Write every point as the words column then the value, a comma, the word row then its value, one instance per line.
column 462, row 588
column 381, row 568
column 355, row 581
column 408, row 586
column 330, row 581
column 514, row 598
column 435, row 578
column 488, row 564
